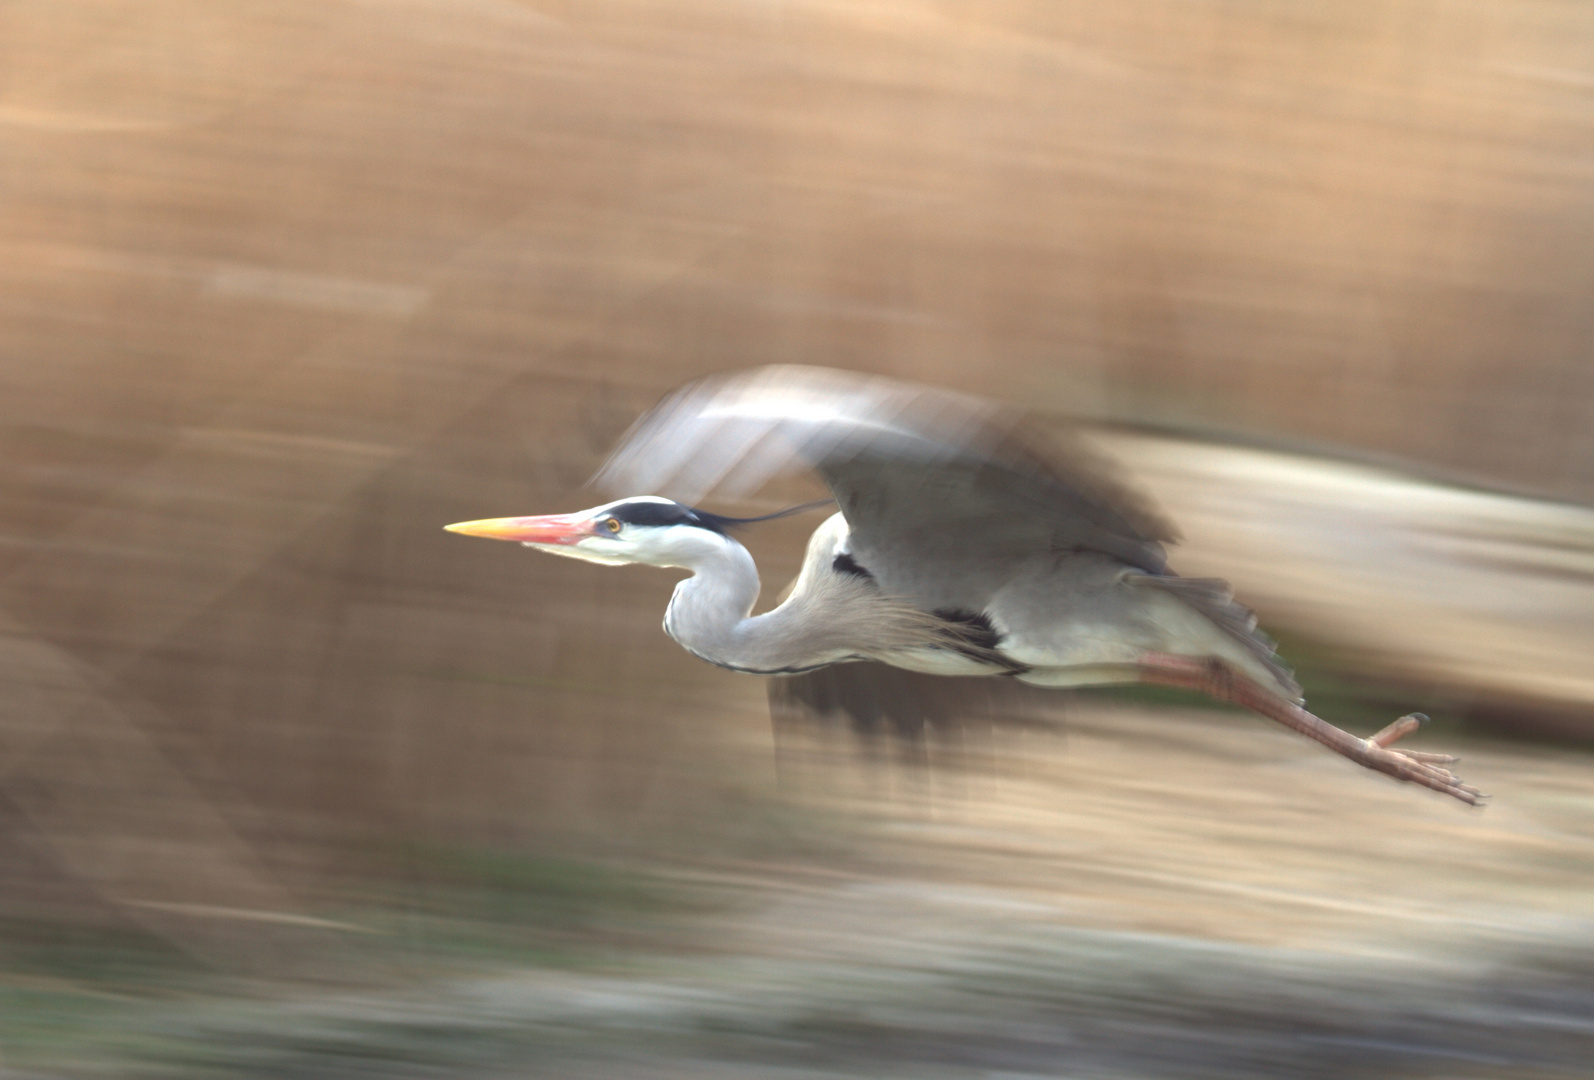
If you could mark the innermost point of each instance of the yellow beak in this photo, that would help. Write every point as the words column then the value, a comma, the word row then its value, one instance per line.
column 551, row 529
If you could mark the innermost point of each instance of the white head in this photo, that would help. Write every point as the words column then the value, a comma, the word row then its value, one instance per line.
column 643, row 529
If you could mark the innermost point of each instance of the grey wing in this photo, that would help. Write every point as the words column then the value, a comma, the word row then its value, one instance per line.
column 944, row 491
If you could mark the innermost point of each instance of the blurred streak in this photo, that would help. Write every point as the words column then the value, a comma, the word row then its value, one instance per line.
column 286, row 286
column 309, row 290
column 1488, row 595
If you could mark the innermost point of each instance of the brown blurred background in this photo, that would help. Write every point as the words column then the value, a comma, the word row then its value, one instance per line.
column 287, row 286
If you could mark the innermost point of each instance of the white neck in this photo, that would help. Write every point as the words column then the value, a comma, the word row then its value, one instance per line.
column 710, row 615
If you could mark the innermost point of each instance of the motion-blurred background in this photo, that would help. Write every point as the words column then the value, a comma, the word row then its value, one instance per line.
column 292, row 783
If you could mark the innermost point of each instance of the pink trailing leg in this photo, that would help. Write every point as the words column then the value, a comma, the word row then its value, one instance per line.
column 1218, row 680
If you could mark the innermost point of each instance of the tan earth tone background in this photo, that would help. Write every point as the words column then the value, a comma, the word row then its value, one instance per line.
column 292, row 783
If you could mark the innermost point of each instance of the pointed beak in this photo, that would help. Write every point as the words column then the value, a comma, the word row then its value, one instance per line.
column 552, row 529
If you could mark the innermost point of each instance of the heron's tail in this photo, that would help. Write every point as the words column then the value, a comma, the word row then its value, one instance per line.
column 1213, row 598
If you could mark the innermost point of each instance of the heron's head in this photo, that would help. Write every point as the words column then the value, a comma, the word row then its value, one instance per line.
column 643, row 529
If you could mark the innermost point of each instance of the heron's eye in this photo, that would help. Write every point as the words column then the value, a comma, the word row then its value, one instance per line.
column 612, row 525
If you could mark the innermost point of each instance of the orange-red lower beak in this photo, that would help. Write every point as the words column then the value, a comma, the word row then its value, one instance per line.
column 552, row 529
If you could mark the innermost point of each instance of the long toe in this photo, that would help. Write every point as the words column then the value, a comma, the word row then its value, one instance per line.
column 1423, row 755
column 1408, row 766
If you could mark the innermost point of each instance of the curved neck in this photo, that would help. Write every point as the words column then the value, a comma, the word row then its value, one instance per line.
column 710, row 616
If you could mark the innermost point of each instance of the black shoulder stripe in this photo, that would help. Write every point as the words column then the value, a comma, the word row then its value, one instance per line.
column 845, row 564
column 974, row 628
column 973, row 634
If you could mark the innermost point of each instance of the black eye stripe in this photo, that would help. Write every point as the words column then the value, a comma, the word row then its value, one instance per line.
column 673, row 513
column 654, row 513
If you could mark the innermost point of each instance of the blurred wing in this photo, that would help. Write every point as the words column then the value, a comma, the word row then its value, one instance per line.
column 943, row 490
column 873, row 698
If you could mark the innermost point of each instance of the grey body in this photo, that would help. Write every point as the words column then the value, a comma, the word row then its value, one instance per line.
column 969, row 542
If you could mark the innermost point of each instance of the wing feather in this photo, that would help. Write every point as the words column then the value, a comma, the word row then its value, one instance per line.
column 924, row 476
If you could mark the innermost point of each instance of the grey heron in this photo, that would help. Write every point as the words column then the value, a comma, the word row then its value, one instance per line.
column 968, row 541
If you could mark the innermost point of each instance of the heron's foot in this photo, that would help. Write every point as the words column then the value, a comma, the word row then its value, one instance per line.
column 1415, row 766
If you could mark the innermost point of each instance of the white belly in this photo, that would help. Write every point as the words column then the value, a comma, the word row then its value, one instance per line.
column 941, row 662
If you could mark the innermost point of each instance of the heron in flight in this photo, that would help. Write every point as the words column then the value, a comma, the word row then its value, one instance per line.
column 969, row 540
